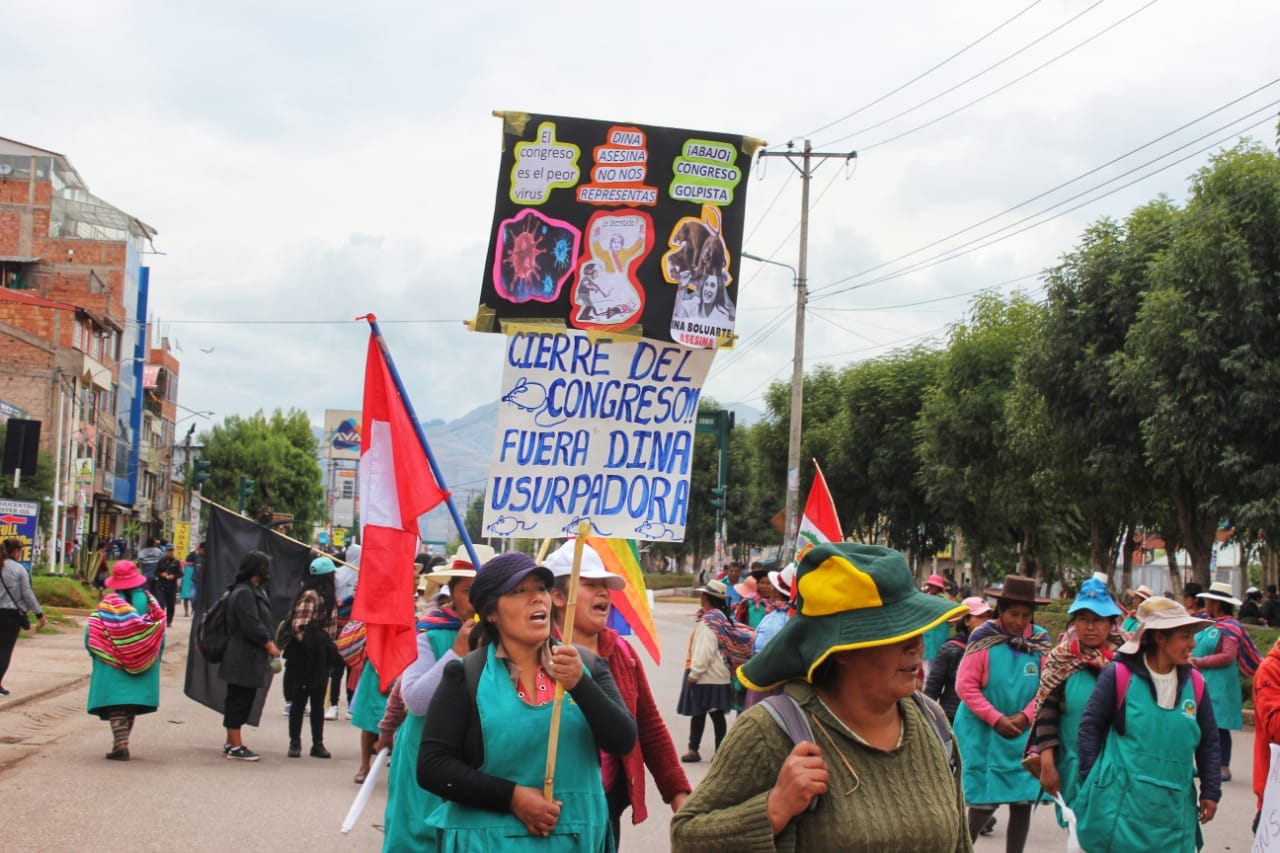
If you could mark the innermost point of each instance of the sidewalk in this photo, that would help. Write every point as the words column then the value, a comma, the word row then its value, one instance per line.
column 48, row 664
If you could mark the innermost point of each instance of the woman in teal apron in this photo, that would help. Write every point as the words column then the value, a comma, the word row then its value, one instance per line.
column 1145, row 731
column 1070, row 672
column 1130, row 623
column 486, row 735
column 444, row 635
column 1216, row 655
column 935, row 638
column 997, row 683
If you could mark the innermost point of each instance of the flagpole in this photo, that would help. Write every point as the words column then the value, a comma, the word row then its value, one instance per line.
column 422, row 438
column 203, row 499
column 553, row 742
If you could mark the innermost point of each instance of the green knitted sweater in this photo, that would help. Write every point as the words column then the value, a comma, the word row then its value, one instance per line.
column 908, row 799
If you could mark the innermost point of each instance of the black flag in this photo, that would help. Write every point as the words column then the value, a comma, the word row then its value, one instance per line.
column 229, row 538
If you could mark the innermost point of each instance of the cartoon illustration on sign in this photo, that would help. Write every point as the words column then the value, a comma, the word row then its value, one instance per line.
column 535, row 256
column 531, row 397
column 607, row 293
column 698, row 264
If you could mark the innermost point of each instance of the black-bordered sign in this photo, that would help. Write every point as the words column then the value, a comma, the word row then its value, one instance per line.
column 617, row 227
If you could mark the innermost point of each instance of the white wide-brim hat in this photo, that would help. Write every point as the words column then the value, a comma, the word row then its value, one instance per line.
column 1159, row 614
column 1220, row 591
column 560, row 562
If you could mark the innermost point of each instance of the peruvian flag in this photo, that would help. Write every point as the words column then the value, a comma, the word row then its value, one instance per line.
column 396, row 486
column 819, row 524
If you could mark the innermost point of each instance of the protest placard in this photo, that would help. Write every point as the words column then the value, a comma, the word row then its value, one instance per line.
column 612, row 226
column 594, row 428
column 1268, row 835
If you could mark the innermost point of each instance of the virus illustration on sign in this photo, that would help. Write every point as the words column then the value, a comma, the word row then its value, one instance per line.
column 533, row 257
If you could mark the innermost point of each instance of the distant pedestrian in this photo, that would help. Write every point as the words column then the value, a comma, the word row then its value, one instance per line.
column 192, row 566
column 1218, row 655
column 309, row 655
column 16, row 599
column 940, row 686
column 1251, row 610
column 168, row 576
column 936, row 585
column 148, row 561
column 1069, row 675
column 707, row 688
column 1130, row 624
column 1271, row 607
column 997, row 682
column 125, row 639
column 246, row 666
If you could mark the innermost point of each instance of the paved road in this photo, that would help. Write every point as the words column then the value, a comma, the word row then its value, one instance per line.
column 179, row 792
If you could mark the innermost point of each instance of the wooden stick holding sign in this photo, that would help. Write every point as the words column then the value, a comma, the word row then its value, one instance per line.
column 553, row 743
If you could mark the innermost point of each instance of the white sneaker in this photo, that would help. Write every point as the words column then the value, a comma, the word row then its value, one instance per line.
column 332, row 713
column 287, row 706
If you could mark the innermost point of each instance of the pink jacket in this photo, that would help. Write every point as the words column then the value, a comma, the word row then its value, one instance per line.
column 972, row 676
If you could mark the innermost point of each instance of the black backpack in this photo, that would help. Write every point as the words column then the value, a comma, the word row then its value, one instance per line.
column 211, row 635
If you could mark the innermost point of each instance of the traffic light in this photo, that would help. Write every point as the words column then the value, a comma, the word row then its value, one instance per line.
column 246, row 490
column 718, row 498
column 201, row 473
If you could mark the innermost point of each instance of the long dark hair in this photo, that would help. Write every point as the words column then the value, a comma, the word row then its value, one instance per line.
column 256, row 564
column 325, row 586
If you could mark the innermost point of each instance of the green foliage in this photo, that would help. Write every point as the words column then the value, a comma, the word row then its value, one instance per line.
column 279, row 454
column 63, row 592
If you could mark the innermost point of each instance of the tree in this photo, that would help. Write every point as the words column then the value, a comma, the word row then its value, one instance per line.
column 882, row 496
column 969, row 470
column 279, row 455
column 1204, row 356
column 1093, row 453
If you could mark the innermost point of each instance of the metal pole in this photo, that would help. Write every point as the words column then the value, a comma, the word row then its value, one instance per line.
column 57, row 474
column 797, row 368
column 805, row 168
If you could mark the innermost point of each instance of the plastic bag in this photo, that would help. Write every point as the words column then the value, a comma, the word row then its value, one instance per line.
column 1073, row 842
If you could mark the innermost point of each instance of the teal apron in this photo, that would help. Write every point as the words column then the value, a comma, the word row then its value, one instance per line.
column 1222, row 683
column 1129, row 625
column 1141, row 793
column 408, row 805
column 369, row 704
column 1066, row 758
column 515, row 748
column 993, row 771
column 934, row 639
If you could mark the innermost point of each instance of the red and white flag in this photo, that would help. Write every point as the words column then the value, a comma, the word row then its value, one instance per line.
column 396, row 486
column 819, row 524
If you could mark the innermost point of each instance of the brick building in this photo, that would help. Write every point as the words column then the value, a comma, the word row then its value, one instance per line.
column 73, row 334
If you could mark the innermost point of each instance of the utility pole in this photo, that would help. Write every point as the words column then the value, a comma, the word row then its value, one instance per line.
column 806, row 168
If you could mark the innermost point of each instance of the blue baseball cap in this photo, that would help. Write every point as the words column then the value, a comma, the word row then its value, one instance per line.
column 322, row 566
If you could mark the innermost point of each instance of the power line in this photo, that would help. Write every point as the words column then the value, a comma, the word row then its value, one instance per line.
column 1079, row 177
column 975, row 76
column 976, row 243
column 1000, row 89
column 929, row 71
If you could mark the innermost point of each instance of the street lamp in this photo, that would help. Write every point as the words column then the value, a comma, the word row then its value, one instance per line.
column 797, row 406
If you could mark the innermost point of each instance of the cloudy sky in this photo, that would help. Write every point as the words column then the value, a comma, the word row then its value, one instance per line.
column 305, row 163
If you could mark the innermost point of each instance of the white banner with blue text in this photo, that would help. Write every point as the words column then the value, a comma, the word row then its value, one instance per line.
column 594, row 428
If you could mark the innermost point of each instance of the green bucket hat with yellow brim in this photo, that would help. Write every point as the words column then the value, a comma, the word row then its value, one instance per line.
column 848, row 596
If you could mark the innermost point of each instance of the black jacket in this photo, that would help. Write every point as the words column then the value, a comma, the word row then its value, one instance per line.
column 246, row 662
column 941, row 685
column 452, row 744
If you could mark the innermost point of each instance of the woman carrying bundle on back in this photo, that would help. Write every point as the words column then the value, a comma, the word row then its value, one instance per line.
column 125, row 638
column 717, row 647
